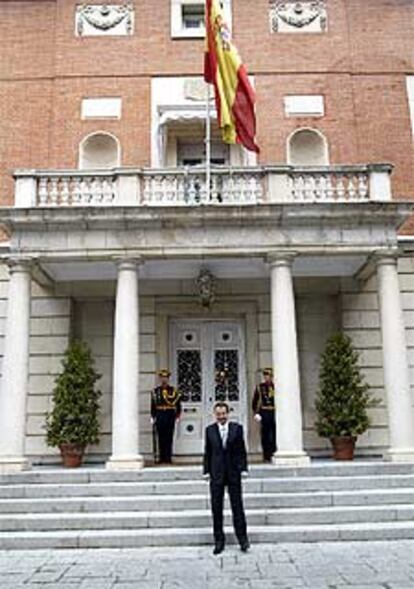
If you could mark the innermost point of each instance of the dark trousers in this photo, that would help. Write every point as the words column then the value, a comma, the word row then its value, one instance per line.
column 268, row 434
column 165, row 422
column 236, row 501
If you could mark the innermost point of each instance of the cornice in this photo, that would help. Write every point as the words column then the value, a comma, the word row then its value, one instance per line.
column 390, row 214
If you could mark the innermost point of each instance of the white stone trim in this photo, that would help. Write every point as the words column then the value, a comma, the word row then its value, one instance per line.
column 304, row 105
column 104, row 107
column 410, row 95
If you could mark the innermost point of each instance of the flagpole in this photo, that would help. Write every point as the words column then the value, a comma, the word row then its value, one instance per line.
column 208, row 145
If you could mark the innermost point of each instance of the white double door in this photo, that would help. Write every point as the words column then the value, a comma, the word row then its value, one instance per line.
column 208, row 365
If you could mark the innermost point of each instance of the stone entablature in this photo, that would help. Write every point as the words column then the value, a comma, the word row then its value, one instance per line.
column 100, row 233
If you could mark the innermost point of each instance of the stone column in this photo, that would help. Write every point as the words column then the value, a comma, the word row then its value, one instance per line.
column 395, row 361
column 286, row 364
column 15, row 378
column 125, row 409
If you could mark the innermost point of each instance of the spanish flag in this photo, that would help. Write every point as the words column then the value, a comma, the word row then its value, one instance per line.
column 223, row 68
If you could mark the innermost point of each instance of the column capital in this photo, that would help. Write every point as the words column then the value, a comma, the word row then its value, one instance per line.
column 280, row 258
column 386, row 257
column 20, row 264
column 128, row 263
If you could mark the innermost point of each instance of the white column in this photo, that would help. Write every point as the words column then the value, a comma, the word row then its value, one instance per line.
column 395, row 361
column 286, row 364
column 125, row 409
column 14, row 382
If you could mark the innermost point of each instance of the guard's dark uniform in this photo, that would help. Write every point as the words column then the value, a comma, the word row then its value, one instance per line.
column 165, row 409
column 264, row 405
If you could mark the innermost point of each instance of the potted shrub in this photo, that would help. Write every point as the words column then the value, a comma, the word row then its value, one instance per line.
column 343, row 398
column 74, row 420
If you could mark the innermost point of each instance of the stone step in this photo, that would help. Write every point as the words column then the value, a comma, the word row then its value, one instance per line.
column 202, row 536
column 202, row 518
column 171, row 506
column 318, row 468
column 252, row 485
column 85, row 504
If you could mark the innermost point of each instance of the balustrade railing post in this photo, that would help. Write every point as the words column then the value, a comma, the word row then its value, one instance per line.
column 25, row 194
column 380, row 182
column 279, row 188
column 127, row 189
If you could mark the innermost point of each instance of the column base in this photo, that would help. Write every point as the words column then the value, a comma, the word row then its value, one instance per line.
column 404, row 455
column 290, row 459
column 9, row 465
column 125, row 463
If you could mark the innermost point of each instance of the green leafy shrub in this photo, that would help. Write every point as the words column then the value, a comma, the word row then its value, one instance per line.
column 343, row 398
column 75, row 415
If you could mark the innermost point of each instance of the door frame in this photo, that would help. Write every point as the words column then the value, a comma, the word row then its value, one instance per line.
column 173, row 307
column 207, row 344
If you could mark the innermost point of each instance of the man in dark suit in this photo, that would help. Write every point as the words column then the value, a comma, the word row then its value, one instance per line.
column 225, row 463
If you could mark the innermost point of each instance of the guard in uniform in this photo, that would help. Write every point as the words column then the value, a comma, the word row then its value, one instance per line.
column 165, row 411
column 264, row 413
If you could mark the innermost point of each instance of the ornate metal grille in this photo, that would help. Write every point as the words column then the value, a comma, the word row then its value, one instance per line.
column 226, row 366
column 189, row 375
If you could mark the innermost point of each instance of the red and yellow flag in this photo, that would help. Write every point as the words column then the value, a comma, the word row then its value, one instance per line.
column 235, row 97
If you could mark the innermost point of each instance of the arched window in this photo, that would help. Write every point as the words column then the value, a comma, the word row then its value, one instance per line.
column 307, row 147
column 99, row 151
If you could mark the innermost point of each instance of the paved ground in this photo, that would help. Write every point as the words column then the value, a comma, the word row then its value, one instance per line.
column 358, row 565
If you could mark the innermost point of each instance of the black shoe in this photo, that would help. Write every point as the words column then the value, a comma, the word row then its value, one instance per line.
column 244, row 546
column 218, row 548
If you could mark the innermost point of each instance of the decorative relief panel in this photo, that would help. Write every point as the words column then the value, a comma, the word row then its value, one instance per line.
column 104, row 19
column 195, row 89
column 308, row 16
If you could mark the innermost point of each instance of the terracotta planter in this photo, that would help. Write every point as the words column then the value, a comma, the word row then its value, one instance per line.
column 72, row 454
column 343, row 447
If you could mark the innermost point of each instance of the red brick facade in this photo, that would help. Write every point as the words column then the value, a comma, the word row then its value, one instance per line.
column 359, row 65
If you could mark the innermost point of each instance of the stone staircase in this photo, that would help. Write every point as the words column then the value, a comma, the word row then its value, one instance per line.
column 92, row 507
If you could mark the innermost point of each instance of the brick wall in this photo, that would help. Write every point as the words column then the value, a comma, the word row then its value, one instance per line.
column 359, row 65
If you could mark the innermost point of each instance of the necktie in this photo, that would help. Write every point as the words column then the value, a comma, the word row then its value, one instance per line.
column 223, row 436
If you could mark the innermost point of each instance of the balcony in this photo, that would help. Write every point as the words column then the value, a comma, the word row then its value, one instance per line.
column 187, row 187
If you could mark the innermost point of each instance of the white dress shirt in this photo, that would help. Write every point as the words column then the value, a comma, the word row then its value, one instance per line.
column 224, row 432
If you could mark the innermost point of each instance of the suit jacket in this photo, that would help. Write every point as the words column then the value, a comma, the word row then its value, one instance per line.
column 225, row 464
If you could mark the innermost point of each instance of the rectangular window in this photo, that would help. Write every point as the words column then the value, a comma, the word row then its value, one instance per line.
column 304, row 106
column 193, row 16
column 188, row 20
column 410, row 92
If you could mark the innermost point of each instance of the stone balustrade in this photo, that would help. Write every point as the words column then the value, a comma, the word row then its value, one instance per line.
column 188, row 186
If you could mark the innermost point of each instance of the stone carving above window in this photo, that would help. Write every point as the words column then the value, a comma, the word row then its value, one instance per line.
column 308, row 16
column 196, row 89
column 104, row 19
